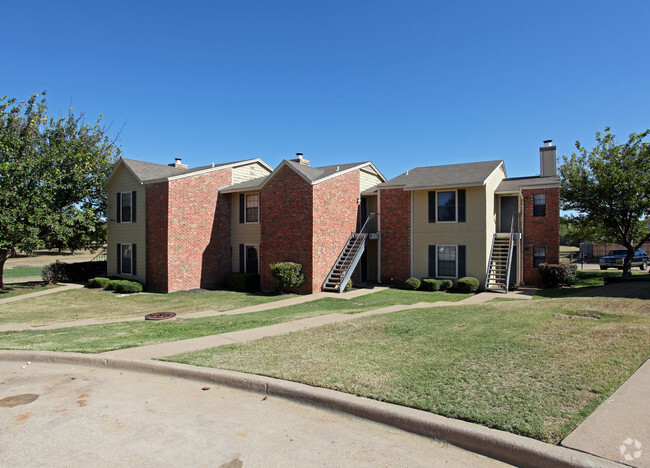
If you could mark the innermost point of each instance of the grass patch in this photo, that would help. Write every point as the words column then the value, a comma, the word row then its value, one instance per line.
column 18, row 289
column 112, row 336
column 21, row 272
column 585, row 279
column 103, row 305
column 534, row 368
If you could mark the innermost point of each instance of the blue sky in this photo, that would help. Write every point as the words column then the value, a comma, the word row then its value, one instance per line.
column 403, row 84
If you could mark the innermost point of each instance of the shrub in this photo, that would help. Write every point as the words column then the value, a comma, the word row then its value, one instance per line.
column 99, row 282
column 125, row 286
column 287, row 274
column 242, row 282
column 412, row 284
column 348, row 286
column 446, row 284
column 468, row 284
column 430, row 284
column 553, row 276
column 77, row 272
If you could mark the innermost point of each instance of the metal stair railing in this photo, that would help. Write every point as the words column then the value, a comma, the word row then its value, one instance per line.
column 101, row 256
column 350, row 255
column 510, row 246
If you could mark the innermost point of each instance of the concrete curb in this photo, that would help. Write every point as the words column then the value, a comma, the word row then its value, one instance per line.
column 499, row 445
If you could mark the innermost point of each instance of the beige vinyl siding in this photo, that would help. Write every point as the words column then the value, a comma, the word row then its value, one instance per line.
column 249, row 172
column 368, row 179
column 476, row 233
column 126, row 233
column 242, row 233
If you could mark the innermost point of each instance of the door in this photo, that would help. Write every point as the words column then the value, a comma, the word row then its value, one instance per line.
column 251, row 259
column 509, row 206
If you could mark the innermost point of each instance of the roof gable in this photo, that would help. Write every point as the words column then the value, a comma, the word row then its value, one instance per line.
column 316, row 175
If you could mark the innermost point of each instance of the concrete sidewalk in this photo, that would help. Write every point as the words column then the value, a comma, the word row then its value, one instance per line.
column 619, row 429
column 62, row 287
column 242, row 336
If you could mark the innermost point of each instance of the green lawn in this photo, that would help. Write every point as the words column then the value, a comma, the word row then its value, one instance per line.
column 21, row 272
column 112, row 336
column 534, row 368
column 587, row 279
column 105, row 305
column 18, row 289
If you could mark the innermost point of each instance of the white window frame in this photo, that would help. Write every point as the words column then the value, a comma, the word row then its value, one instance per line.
column 455, row 206
column 455, row 246
column 122, row 220
column 246, row 221
column 257, row 248
column 130, row 246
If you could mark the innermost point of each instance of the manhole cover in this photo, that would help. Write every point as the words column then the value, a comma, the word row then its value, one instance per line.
column 160, row 316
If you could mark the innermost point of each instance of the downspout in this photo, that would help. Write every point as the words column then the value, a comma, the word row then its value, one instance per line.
column 379, row 236
column 411, row 236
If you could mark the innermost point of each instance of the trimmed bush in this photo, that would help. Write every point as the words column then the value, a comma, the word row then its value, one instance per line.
column 446, row 284
column 242, row 282
column 60, row 272
column 553, row 276
column 430, row 284
column 412, row 284
column 287, row 274
column 99, row 282
column 468, row 284
column 125, row 286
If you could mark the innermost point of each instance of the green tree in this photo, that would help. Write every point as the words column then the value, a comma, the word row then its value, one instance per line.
column 609, row 188
column 51, row 177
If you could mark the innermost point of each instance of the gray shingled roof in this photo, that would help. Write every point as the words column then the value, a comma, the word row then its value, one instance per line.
column 456, row 175
column 146, row 171
column 254, row 184
column 317, row 173
column 516, row 183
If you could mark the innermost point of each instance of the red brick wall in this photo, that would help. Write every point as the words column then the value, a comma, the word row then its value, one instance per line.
column 156, row 210
column 541, row 231
column 199, row 231
column 336, row 214
column 395, row 218
column 286, row 218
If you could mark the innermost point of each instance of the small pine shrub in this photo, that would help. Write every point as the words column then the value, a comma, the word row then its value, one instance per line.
column 468, row 284
column 446, row 284
column 430, row 284
column 412, row 284
column 287, row 274
column 99, row 282
column 348, row 287
column 125, row 286
column 553, row 276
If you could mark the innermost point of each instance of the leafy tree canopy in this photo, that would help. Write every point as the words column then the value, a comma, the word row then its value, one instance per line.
column 609, row 188
column 52, row 173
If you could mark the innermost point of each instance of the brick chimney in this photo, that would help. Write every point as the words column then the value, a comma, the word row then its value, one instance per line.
column 547, row 159
column 177, row 163
column 300, row 160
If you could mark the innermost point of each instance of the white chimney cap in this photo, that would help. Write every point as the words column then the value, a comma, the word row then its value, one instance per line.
column 548, row 142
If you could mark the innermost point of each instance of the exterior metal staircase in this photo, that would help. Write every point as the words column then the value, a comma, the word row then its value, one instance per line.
column 348, row 259
column 500, row 262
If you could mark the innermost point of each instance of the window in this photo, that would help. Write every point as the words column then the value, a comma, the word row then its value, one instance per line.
column 539, row 256
column 446, row 206
column 126, row 259
column 447, row 261
column 539, row 205
column 125, row 212
column 253, row 208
